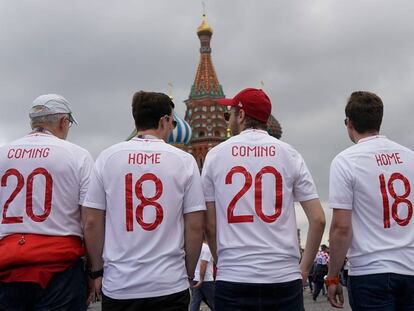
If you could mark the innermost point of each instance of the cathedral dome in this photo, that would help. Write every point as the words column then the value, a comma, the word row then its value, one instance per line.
column 204, row 27
column 181, row 133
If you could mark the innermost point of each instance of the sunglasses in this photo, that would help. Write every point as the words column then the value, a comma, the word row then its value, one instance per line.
column 346, row 121
column 227, row 116
column 174, row 123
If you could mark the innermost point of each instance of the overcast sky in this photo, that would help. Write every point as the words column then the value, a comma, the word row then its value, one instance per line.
column 310, row 55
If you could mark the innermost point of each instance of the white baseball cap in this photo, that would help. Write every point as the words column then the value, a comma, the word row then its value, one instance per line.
column 51, row 104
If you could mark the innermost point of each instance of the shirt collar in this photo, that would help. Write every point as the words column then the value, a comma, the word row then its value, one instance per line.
column 250, row 130
column 147, row 138
column 362, row 140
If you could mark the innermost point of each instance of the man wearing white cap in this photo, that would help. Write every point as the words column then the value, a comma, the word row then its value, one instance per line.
column 250, row 184
column 44, row 180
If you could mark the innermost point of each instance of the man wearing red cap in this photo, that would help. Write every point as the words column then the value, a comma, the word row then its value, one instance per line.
column 251, row 182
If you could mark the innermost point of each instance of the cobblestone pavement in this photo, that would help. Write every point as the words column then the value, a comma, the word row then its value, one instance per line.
column 320, row 305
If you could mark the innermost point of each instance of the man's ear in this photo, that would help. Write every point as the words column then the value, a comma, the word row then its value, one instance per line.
column 242, row 115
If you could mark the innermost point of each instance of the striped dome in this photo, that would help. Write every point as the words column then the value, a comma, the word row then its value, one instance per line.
column 182, row 133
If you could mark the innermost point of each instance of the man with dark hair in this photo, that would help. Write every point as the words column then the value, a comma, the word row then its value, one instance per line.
column 370, row 194
column 145, row 215
column 250, row 183
column 44, row 180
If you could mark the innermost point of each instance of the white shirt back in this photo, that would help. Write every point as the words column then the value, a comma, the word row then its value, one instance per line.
column 205, row 255
column 44, row 179
column 373, row 178
column 254, row 179
column 145, row 186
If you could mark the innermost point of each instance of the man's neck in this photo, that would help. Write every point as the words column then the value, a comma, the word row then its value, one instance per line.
column 45, row 129
column 151, row 132
column 359, row 136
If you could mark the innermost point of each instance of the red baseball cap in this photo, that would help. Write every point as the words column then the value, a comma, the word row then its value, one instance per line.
column 255, row 103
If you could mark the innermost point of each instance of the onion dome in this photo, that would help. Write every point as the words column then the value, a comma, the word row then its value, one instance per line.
column 204, row 27
column 181, row 133
column 274, row 128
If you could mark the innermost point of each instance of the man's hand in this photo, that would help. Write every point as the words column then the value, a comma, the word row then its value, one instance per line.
column 91, row 292
column 198, row 284
column 98, row 288
column 336, row 296
column 304, row 277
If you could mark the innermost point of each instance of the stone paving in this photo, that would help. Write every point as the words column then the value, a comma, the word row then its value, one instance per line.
column 320, row 305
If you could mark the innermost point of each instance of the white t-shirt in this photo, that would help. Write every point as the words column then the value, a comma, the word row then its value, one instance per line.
column 205, row 255
column 254, row 179
column 375, row 179
column 146, row 186
column 44, row 180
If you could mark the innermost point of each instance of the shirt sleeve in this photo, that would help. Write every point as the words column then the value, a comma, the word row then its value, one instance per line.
column 85, row 175
column 303, row 188
column 205, row 253
column 341, row 194
column 208, row 184
column 193, row 194
column 96, row 196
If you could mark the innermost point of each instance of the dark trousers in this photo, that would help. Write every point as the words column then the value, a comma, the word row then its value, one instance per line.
column 174, row 302
column 319, row 285
column 204, row 293
column 66, row 291
column 381, row 292
column 232, row 296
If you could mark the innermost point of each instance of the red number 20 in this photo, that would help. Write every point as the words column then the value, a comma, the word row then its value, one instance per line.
column 231, row 218
column 29, row 195
column 144, row 202
column 397, row 199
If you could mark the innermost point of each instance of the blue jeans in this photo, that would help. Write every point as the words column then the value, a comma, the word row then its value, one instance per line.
column 204, row 293
column 66, row 291
column 381, row 292
column 232, row 296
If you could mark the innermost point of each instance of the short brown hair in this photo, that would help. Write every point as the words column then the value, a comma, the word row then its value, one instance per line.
column 365, row 110
column 249, row 122
column 149, row 107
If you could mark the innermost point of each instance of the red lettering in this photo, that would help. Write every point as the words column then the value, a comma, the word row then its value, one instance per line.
column 131, row 158
column 9, row 155
column 234, row 151
column 378, row 158
column 388, row 159
column 398, row 160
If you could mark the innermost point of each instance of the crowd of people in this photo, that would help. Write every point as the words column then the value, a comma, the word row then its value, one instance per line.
column 141, row 210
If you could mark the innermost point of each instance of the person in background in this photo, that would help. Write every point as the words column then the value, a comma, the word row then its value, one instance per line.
column 203, row 284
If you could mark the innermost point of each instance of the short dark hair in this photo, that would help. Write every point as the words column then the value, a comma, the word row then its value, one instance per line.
column 149, row 107
column 365, row 110
column 251, row 123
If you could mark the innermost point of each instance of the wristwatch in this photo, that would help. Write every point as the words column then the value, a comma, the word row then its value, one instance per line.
column 332, row 281
column 95, row 274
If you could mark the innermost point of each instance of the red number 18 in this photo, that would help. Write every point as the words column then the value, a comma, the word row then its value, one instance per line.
column 144, row 202
column 397, row 199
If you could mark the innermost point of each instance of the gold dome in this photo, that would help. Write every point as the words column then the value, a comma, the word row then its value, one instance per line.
column 204, row 27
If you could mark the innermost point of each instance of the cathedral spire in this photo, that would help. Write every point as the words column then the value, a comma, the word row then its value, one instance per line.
column 206, row 83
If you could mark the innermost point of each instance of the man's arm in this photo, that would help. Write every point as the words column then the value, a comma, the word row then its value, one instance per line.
column 340, row 236
column 211, row 229
column 193, row 237
column 94, row 235
column 93, row 221
column 203, row 269
column 316, row 219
